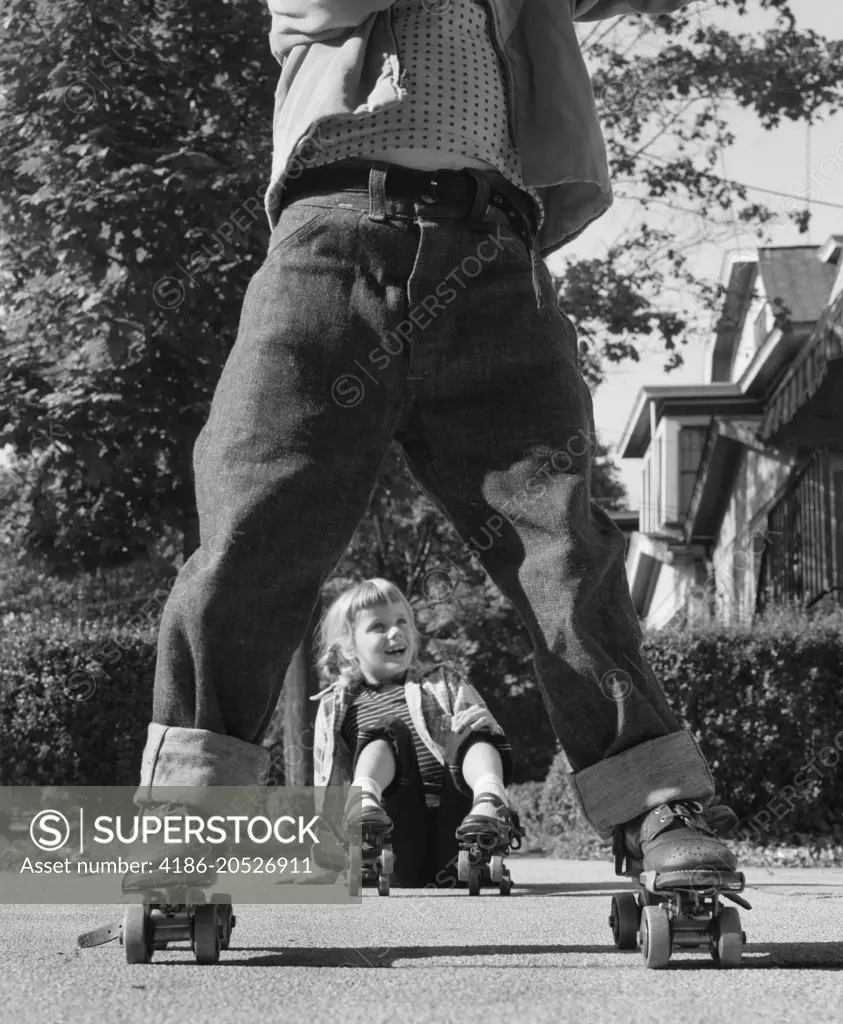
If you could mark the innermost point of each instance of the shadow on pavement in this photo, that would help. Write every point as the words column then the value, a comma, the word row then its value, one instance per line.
column 569, row 888
column 780, row 956
column 378, row 957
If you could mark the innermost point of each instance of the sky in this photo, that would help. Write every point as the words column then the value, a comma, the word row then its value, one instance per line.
column 779, row 160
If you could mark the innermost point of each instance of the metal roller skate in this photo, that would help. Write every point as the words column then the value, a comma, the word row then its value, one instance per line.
column 678, row 906
column 484, row 843
column 171, row 914
column 173, row 907
column 378, row 860
column 374, row 861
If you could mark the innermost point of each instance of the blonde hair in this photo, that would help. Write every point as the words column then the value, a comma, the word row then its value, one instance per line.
column 336, row 660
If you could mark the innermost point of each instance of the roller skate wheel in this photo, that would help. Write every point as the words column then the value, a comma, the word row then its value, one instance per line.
column 137, row 934
column 496, row 868
column 206, row 934
column 624, row 920
column 387, row 861
column 463, row 865
column 383, row 885
column 224, row 909
column 656, row 940
column 355, row 872
column 727, row 938
column 474, row 882
column 505, row 884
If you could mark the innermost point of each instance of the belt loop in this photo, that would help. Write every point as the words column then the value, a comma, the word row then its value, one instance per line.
column 377, row 192
column 477, row 218
column 539, row 268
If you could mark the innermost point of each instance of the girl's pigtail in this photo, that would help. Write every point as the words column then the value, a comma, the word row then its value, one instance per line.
column 333, row 667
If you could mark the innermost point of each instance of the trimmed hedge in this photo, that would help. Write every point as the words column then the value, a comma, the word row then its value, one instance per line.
column 765, row 702
column 74, row 707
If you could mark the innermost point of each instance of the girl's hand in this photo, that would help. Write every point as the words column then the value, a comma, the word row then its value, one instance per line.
column 474, row 717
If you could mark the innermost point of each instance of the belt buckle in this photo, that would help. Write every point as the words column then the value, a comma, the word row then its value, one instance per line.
column 435, row 198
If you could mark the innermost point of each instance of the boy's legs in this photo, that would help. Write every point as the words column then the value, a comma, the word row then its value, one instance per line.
column 500, row 437
column 284, row 470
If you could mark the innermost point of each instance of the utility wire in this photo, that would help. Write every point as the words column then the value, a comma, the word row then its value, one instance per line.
column 743, row 184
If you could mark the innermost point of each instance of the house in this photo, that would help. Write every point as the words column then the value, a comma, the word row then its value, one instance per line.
column 626, row 520
column 742, row 489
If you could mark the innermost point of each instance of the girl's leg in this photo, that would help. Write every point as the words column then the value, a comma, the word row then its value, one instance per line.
column 482, row 769
column 374, row 771
column 482, row 766
column 401, row 797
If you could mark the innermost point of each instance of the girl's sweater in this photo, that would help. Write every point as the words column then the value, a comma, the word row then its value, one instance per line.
column 432, row 699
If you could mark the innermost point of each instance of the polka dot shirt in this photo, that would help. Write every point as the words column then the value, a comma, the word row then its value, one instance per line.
column 456, row 102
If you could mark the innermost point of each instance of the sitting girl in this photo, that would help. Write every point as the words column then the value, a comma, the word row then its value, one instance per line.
column 431, row 761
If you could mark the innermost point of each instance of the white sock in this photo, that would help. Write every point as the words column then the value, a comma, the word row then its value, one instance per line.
column 371, row 790
column 488, row 784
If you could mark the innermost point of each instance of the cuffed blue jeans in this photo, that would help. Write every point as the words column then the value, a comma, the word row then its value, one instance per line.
column 377, row 318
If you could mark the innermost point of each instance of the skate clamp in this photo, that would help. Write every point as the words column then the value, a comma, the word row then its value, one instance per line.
column 150, row 926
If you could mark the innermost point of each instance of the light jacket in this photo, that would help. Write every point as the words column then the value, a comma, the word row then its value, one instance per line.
column 340, row 57
column 432, row 699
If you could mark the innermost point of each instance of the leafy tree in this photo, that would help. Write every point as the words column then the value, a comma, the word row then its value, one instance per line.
column 134, row 149
column 662, row 86
column 133, row 155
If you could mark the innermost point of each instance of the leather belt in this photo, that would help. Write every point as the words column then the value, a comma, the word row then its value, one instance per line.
column 443, row 186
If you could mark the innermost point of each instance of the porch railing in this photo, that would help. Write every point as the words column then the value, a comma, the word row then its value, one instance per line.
column 796, row 560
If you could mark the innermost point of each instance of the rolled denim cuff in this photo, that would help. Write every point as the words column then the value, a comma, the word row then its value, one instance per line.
column 620, row 788
column 174, row 756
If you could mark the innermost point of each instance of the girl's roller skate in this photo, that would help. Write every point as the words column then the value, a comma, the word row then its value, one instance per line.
column 174, row 907
column 376, row 861
column 681, row 871
column 484, row 841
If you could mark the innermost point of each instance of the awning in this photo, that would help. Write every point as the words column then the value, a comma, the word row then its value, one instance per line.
column 808, row 372
column 724, row 446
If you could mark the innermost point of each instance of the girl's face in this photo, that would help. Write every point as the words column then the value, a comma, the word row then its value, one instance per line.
column 383, row 640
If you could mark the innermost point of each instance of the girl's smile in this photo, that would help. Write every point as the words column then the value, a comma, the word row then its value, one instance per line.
column 383, row 641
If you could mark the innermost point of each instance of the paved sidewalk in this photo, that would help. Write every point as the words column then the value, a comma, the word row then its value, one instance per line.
column 545, row 954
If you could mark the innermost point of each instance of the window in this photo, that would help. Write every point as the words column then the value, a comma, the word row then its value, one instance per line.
column 760, row 327
column 691, row 442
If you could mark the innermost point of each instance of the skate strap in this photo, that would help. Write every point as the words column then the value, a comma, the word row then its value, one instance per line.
column 509, row 819
column 108, row 933
column 488, row 798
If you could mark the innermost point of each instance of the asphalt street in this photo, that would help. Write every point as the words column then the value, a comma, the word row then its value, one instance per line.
column 543, row 954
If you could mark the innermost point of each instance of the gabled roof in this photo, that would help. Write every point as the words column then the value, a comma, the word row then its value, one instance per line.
column 794, row 275
column 796, row 280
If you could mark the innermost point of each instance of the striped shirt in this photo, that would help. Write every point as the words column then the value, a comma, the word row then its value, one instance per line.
column 372, row 707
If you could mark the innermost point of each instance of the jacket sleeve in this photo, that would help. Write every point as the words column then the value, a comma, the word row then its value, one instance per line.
column 300, row 22
column 597, row 10
column 320, row 737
